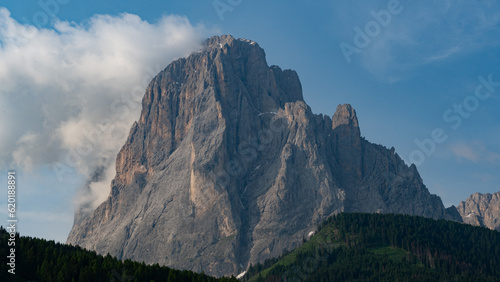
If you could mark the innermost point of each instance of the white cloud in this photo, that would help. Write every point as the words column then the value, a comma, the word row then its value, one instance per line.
column 70, row 93
column 95, row 192
column 442, row 56
column 27, row 143
column 475, row 152
column 463, row 151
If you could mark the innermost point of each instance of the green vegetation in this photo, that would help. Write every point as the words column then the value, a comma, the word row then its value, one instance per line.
column 392, row 253
column 376, row 247
column 347, row 247
column 41, row 260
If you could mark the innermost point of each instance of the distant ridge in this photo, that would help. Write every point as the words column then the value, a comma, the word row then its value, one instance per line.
column 481, row 210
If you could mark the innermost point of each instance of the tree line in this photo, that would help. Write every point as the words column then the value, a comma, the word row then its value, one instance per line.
column 42, row 260
column 374, row 247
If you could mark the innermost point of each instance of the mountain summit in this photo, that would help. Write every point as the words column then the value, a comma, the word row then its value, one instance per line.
column 228, row 166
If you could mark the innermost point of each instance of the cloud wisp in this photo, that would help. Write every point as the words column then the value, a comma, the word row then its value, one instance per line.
column 474, row 152
column 421, row 33
column 70, row 93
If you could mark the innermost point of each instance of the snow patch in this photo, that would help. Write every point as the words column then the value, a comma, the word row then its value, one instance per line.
column 470, row 214
column 273, row 113
column 241, row 275
column 248, row 41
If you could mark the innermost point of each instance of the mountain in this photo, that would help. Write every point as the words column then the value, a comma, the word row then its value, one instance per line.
column 42, row 260
column 227, row 166
column 481, row 210
column 376, row 247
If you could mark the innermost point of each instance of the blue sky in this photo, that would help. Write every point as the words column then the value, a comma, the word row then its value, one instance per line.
column 412, row 75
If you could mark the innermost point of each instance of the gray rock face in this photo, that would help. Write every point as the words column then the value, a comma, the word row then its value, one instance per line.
column 481, row 210
column 228, row 166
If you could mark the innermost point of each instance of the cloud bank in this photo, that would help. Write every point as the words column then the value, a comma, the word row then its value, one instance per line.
column 70, row 93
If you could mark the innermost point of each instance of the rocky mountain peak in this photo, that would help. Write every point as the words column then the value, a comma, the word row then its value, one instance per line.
column 345, row 115
column 481, row 210
column 222, row 40
column 228, row 166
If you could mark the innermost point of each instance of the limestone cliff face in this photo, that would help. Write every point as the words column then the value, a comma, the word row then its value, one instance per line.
column 228, row 166
column 481, row 210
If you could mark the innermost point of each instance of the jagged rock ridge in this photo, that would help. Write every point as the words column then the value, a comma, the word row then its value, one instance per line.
column 228, row 166
column 481, row 210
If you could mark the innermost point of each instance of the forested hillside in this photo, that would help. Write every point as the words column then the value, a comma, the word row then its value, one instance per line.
column 374, row 247
column 346, row 247
column 41, row 260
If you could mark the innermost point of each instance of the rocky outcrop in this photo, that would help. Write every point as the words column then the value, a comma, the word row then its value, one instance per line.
column 228, row 166
column 481, row 210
